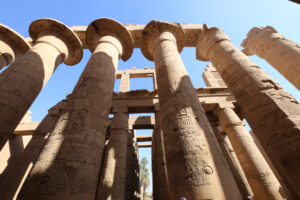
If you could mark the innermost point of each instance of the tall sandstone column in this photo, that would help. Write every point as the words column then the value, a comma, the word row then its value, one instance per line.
column 260, row 176
column 272, row 113
column 281, row 53
column 68, row 167
column 160, row 185
column 112, row 184
column 12, row 45
column 195, row 169
column 20, row 84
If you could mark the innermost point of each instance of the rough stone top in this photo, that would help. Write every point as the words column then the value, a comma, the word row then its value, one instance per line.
column 107, row 26
column 46, row 26
column 254, row 34
column 14, row 39
column 153, row 29
column 207, row 38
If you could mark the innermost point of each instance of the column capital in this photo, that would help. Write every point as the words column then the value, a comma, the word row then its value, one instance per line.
column 18, row 44
column 154, row 29
column 50, row 27
column 257, row 33
column 109, row 27
column 207, row 38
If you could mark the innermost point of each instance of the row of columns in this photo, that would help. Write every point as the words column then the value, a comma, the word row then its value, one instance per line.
column 68, row 166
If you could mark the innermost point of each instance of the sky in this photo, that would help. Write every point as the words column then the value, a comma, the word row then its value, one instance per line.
column 235, row 17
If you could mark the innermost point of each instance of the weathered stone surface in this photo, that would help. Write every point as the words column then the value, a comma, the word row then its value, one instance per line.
column 20, row 84
column 68, row 167
column 12, row 45
column 272, row 113
column 159, row 165
column 14, row 175
column 281, row 53
column 113, row 178
column 260, row 176
column 195, row 168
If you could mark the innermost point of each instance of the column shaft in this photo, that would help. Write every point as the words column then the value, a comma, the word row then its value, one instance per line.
column 260, row 176
column 160, row 185
column 233, row 163
column 272, row 113
column 113, row 178
column 196, row 169
column 124, row 83
column 68, row 167
column 14, row 175
column 280, row 52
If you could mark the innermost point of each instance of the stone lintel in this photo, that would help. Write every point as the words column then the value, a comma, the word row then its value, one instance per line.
column 137, row 73
column 144, row 145
column 190, row 40
column 144, row 138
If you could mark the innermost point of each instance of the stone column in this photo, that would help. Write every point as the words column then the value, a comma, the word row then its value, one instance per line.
column 232, row 161
column 14, row 175
column 260, row 176
column 280, row 52
column 159, row 165
column 68, row 167
column 20, row 84
column 125, row 82
column 113, row 178
column 272, row 113
column 195, row 169
column 12, row 45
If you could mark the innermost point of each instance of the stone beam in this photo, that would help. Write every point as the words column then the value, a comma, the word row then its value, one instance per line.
column 137, row 73
column 145, row 145
column 191, row 32
column 144, row 138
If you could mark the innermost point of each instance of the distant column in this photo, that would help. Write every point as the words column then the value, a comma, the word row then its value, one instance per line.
column 68, row 167
column 113, row 178
column 280, row 52
column 20, row 84
column 12, row 45
column 272, row 113
column 195, row 168
column 233, row 162
column 161, row 185
column 125, row 82
column 260, row 176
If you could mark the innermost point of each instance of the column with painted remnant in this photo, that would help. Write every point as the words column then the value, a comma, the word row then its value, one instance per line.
column 272, row 113
column 113, row 178
column 68, row 167
column 261, row 178
column 159, row 167
column 14, row 175
column 12, row 45
column 281, row 53
column 195, row 167
column 20, row 84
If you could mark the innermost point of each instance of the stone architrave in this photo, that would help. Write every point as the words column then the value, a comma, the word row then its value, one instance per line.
column 14, row 175
column 261, row 178
column 12, row 45
column 281, row 53
column 233, row 161
column 68, row 167
column 113, row 178
column 271, row 112
column 196, row 169
column 161, row 185
column 20, row 84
